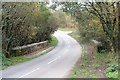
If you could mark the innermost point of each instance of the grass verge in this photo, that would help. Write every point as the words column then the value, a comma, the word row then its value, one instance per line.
column 97, row 65
column 111, row 61
column 15, row 60
column 85, row 67
column 67, row 29
column 53, row 42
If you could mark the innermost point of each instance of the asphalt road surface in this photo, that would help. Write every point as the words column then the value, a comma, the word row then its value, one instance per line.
column 56, row 64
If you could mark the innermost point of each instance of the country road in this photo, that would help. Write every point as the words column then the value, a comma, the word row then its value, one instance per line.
column 55, row 64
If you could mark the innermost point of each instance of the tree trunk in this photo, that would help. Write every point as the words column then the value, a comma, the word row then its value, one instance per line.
column 118, row 6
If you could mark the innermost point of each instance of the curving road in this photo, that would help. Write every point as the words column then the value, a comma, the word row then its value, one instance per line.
column 55, row 64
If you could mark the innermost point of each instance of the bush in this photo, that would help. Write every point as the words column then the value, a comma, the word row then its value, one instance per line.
column 112, row 71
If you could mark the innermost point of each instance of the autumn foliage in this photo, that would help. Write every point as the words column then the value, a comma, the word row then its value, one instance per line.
column 25, row 23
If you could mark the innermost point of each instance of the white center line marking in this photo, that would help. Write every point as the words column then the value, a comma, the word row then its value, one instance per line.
column 52, row 60
column 29, row 73
column 38, row 68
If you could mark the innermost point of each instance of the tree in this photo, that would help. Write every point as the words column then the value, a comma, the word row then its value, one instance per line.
column 24, row 23
column 106, row 13
column 118, row 13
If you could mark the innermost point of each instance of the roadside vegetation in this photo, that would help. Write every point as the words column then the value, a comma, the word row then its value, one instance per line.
column 25, row 23
column 94, row 65
column 53, row 41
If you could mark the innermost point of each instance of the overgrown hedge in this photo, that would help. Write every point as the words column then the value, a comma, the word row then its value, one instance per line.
column 25, row 23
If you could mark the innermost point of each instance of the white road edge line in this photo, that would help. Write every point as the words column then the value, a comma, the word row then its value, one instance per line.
column 29, row 73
